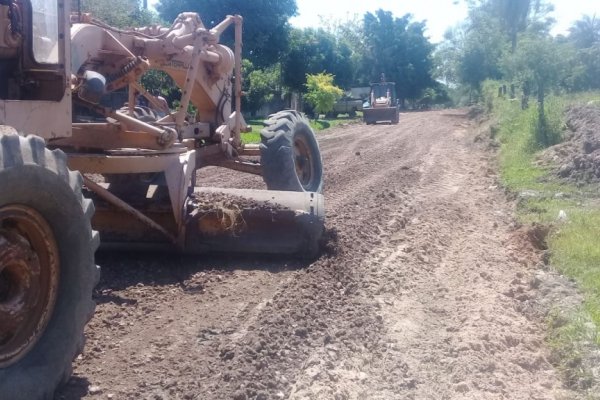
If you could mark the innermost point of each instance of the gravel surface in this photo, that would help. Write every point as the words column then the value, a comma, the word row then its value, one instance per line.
column 422, row 290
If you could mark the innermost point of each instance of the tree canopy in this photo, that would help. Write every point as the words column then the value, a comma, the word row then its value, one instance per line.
column 266, row 27
column 313, row 51
column 398, row 48
column 126, row 13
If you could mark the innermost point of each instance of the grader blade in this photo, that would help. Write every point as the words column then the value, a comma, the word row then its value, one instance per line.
column 254, row 221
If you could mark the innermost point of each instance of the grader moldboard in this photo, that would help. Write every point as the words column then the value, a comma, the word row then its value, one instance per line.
column 65, row 151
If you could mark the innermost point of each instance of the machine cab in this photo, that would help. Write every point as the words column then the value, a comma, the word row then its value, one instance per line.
column 35, row 94
column 383, row 94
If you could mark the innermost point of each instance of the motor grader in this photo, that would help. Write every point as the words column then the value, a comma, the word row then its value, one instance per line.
column 76, row 171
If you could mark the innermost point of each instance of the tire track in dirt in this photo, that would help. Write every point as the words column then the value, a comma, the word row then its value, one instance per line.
column 453, row 326
column 416, row 296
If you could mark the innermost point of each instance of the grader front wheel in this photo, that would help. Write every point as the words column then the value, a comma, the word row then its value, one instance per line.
column 47, row 270
column 290, row 155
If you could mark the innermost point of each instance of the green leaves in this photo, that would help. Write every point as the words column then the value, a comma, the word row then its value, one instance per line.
column 259, row 85
column 120, row 14
column 266, row 28
column 313, row 51
column 398, row 48
column 321, row 92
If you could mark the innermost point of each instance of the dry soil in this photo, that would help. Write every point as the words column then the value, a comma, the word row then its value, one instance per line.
column 421, row 291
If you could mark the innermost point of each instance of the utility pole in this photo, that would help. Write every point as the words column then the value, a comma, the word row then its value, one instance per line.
column 145, row 4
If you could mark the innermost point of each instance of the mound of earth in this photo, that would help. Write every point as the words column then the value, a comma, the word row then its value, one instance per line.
column 578, row 158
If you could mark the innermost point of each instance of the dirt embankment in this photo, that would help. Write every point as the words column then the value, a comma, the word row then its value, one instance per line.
column 422, row 291
column 577, row 159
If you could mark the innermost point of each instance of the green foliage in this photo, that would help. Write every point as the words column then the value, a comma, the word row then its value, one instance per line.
column 163, row 83
column 549, row 126
column 540, row 64
column 585, row 37
column 539, row 61
column 316, row 125
column 259, row 85
column 349, row 36
column 573, row 244
column 266, row 25
column 121, row 14
column 476, row 50
column 398, row 48
column 436, row 95
column 585, row 33
column 313, row 51
column 321, row 92
column 482, row 53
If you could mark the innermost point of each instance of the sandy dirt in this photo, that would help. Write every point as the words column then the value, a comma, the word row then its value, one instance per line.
column 422, row 291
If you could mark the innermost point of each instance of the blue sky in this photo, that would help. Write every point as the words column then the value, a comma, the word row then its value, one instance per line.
column 439, row 14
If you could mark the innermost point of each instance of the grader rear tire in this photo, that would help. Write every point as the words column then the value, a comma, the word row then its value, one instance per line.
column 47, row 270
column 290, row 155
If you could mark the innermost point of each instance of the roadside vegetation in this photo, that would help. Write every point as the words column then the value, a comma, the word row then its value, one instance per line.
column 570, row 209
column 318, row 124
column 504, row 58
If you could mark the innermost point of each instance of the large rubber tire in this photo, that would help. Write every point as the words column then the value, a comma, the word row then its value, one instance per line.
column 290, row 155
column 396, row 118
column 37, row 179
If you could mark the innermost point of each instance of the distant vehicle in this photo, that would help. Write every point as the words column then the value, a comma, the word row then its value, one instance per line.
column 346, row 105
column 382, row 104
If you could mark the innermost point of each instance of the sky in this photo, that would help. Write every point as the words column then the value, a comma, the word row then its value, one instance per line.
column 439, row 14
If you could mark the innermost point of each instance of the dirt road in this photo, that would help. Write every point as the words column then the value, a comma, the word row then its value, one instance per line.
column 421, row 292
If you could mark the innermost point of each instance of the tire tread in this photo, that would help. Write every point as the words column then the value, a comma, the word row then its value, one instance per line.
column 17, row 150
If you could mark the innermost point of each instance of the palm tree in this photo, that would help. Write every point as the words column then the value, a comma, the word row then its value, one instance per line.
column 514, row 15
column 585, row 32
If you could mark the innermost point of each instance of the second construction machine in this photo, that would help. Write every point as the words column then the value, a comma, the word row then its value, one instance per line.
column 382, row 104
column 65, row 150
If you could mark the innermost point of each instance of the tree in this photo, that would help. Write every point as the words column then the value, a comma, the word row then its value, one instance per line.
column 446, row 56
column 259, row 85
column 266, row 27
column 476, row 50
column 585, row 33
column 585, row 37
column 482, row 52
column 398, row 48
column 121, row 14
column 350, row 35
column 321, row 92
column 513, row 14
column 541, row 64
column 312, row 51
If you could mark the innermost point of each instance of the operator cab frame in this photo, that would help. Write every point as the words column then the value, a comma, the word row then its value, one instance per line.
column 32, row 50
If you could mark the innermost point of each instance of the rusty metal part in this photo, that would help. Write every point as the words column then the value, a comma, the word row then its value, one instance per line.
column 254, row 221
column 249, row 150
column 239, row 165
column 29, row 275
column 115, row 201
column 303, row 160
column 165, row 137
column 372, row 115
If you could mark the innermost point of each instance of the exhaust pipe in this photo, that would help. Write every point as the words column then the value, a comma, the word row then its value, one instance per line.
column 254, row 221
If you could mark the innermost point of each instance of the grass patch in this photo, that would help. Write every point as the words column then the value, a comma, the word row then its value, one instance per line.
column 576, row 253
column 317, row 125
column 574, row 245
